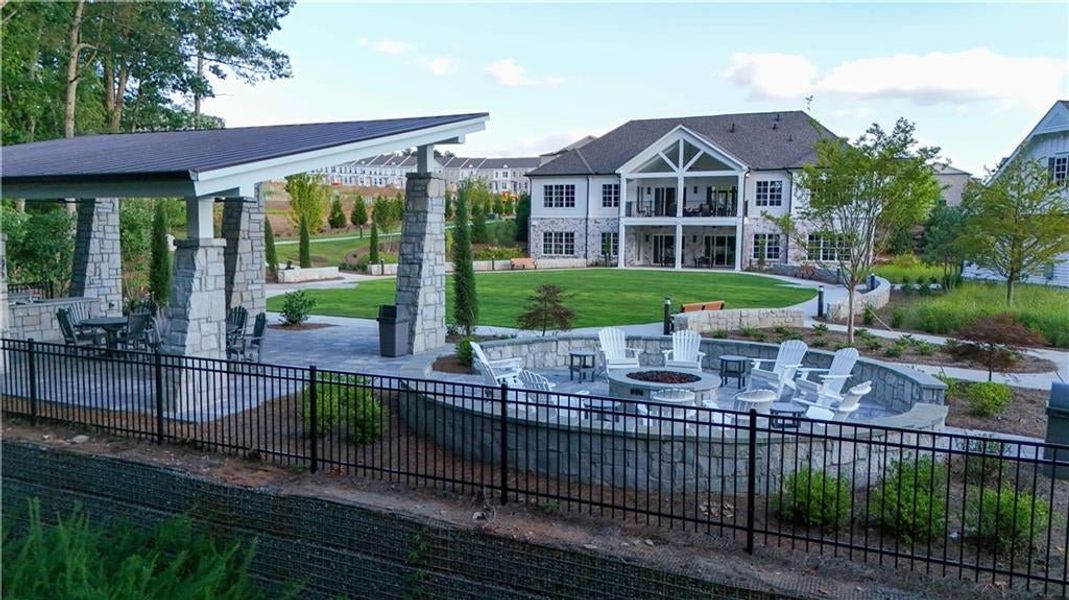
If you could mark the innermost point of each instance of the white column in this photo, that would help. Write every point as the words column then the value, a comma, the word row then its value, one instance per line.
column 621, row 248
column 740, row 229
column 424, row 159
column 679, row 246
column 199, row 218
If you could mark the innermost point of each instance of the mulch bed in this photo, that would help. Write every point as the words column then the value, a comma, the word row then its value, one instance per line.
column 450, row 364
column 300, row 327
column 878, row 348
column 1026, row 414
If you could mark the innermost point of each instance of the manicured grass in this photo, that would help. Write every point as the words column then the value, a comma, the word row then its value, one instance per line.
column 598, row 296
column 328, row 252
column 908, row 265
column 1044, row 309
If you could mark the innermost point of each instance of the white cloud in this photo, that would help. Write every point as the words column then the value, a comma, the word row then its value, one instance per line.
column 510, row 73
column 938, row 77
column 540, row 144
column 441, row 66
column 385, row 46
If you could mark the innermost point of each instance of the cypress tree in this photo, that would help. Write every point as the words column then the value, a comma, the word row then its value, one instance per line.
column 359, row 215
column 373, row 251
column 466, row 307
column 160, row 264
column 479, row 234
column 523, row 217
column 305, row 252
column 270, row 253
column 337, row 214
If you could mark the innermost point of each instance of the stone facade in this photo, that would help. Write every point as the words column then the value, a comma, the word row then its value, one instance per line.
column 243, row 230
column 198, row 299
column 37, row 320
column 708, row 321
column 96, row 271
column 540, row 226
column 421, row 263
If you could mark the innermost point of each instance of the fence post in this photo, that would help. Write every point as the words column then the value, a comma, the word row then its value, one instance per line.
column 31, row 366
column 751, row 480
column 158, row 368
column 313, row 419
column 504, row 445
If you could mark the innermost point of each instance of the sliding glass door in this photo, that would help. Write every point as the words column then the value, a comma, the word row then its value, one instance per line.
column 720, row 250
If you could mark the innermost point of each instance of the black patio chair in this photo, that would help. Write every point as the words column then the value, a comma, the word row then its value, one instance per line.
column 254, row 344
column 79, row 312
column 135, row 337
column 88, row 338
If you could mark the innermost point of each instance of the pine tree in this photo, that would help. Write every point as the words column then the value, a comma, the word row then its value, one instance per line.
column 479, row 234
column 466, row 306
column 546, row 309
column 523, row 217
column 373, row 251
column 305, row 252
column 358, row 217
column 270, row 253
column 160, row 265
column 337, row 214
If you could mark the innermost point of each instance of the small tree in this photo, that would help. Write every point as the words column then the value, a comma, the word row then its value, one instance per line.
column 450, row 201
column 373, row 245
column 358, row 216
column 479, row 233
column 942, row 245
column 382, row 213
column 546, row 310
column 337, row 214
column 859, row 194
column 304, row 257
column 1018, row 224
column 523, row 217
column 999, row 338
column 160, row 267
column 270, row 252
column 466, row 305
column 308, row 199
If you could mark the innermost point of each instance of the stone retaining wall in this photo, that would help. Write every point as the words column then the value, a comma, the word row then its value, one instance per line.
column 37, row 320
column 877, row 298
column 299, row 275
column 337, row 547
column 708, row 321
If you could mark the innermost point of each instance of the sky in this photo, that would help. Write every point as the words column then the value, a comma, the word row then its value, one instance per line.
column 975, row 78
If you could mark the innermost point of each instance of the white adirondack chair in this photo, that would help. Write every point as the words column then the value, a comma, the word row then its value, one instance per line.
column 788, row 361
column 832, row 379
column 506, row 370
column 837, row 409
column 615, row 351
column 550, row 406
column 684, row 353
column 493, row 377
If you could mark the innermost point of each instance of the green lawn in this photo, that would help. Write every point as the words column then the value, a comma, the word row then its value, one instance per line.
column 328, row 252
column 598, row 296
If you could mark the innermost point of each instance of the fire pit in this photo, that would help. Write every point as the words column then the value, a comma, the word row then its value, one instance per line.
column 673, row 377
column 638, row 385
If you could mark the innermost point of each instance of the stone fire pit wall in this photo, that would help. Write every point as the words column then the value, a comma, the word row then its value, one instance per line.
column 627, row 455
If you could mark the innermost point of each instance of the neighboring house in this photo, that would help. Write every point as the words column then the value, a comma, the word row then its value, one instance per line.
column 952, row 182
column 1048, row 143
column 679, row 192
column 504, row 175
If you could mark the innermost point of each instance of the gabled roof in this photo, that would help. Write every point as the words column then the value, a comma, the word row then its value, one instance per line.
column 1055, row 120
column 516, row 162
column 774, row 140
column 186, row 160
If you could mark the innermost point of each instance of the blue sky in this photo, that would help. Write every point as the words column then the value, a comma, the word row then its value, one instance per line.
column 974, row 77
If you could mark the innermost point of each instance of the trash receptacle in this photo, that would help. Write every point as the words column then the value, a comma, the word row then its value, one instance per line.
column 393, row 332
column 1057, row 431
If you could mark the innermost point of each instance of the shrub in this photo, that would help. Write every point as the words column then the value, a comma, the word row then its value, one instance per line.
column 893, row 351
column 781, row 330
column 923, row 289
column 750, row 332
column 868, row 315
column 464, row 352
column 953, row 385
column 336, row 219
column 815, row 498
column 988, row 398
column 819, row 343
column 720, row 334
column 999, row 338
column 821, row 328
column 984, row 460
column 1004, row 519
column 497, row 253
column 909, row 501
column 924, row 348
column 344, row 401
column 898, row 317
column 296, row 307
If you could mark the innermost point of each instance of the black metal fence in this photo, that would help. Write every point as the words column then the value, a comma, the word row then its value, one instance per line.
column 40, row 290
column 971, row 507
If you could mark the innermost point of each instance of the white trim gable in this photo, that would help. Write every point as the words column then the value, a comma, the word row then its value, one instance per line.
column 680, row 132
column 1055, row 120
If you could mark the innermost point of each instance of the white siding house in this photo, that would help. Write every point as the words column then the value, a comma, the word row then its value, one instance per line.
column 1048, row 143
column 687, row 192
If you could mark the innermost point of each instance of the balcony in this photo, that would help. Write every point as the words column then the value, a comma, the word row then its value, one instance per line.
column 725, row 207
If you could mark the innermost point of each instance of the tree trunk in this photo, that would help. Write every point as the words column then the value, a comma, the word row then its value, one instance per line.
column 850, row 312
column 1009, row 289
column 196, row 94
column 75, row 45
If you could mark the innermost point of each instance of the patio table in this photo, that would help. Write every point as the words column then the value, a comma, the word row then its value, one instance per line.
column 111, row 326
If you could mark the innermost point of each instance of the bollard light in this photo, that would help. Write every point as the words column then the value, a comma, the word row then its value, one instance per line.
column 667, row 315
column 820, row 302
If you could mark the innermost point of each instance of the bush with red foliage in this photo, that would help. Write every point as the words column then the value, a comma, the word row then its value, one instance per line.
column 996, row 340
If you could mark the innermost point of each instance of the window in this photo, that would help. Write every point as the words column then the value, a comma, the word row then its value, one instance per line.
column 610, row 195
column 827, row 247
column 769, row 193
column 558, row 243
column 559, row 195
column 610, row 243
column 771, row 243
column 1059, row 168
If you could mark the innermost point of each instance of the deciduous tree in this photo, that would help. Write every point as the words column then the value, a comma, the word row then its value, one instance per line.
column 308, row 199
column 546, row 310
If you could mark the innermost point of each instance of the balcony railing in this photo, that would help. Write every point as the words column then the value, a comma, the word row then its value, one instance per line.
column 642, row 208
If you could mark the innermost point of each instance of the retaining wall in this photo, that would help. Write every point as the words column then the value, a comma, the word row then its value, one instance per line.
column 877, row 298
column 337, row 548
column 37, row 320
column 299, row 275
column 708, row 321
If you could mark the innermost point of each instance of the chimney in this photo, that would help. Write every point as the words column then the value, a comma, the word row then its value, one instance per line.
column 732, row 127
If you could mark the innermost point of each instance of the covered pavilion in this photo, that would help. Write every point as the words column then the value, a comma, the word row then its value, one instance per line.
column 227, row 165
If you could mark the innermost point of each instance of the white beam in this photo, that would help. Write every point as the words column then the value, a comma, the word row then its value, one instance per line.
column 199, row 218
column 424, row 159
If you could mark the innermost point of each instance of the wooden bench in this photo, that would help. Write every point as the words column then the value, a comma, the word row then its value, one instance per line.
column 523, row 263
column 696, row 306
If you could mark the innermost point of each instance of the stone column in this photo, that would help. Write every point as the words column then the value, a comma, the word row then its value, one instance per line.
column 421, row 264
column 198, row 304
column 4, row 317
column 96, row 270
column 243, row 230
